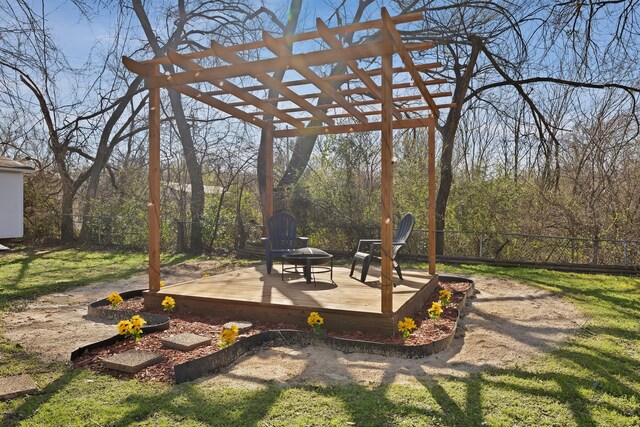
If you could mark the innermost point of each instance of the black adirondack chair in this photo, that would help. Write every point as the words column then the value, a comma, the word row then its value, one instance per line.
column 282, row 237
column 405, row 227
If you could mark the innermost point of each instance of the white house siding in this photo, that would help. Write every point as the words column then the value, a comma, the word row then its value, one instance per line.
column 11, row 204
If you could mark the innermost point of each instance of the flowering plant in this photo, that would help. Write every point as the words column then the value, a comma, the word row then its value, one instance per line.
column 115, row 299
column 228, row 336
column 315, row 320
column 168, row 303
column 435, row 311
column 445, row 297
column 205, row 275
column 132, row 327
column 406, row 326
column 162, row 283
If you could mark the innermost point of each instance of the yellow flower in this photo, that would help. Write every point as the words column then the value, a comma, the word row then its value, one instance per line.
column 124, row 327
column 205, row 275
column 315, row 319
column 444, row 295
column 115, row 299
column 436, row 310
column 408, row 325
column 228, row 336
column 162, row 283
column 137, row 322
column 168, row 303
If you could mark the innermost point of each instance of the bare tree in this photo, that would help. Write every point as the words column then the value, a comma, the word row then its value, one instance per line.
column 188, row 30
column 70, row 122
column 303, row 147
column 496, row 44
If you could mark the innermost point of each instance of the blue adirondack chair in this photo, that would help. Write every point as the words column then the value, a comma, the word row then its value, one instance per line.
column 282, row 237
column 405, row 227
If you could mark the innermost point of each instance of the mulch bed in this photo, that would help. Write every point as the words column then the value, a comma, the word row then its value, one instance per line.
column 428, row 330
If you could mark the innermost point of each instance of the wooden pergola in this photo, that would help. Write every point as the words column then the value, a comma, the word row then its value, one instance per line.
column 351, row 109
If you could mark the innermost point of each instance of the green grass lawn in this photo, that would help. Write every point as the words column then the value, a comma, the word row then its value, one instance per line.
column 593, row 380
column 31, row 273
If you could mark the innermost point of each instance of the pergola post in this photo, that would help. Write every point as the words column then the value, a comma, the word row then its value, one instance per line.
column 154, row 185
column 386, row 182
column 267, row 209
column 431, row 131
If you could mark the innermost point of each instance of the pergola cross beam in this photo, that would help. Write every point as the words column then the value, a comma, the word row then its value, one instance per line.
column 323, row 57
column 303, row 69
column 375, row 112
column 310, row 35
column 272, row 83
column 374, row 101
column 354, row 91
column 236, row 91
column 222, row 106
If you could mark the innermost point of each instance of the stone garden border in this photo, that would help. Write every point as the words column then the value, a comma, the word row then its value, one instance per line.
column 219, row 360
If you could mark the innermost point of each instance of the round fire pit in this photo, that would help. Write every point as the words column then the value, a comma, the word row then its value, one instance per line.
column 312, row 260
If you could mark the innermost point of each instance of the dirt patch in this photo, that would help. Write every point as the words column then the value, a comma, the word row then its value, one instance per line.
column 54, row 325
column 507, row 323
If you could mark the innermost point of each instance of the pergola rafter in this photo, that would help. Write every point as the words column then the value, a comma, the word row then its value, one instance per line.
column 353, row 108
column 272, row 83
column 355, row 91
column 396, row 100
column 343, row 78
column 236, row 91
column 303, row 69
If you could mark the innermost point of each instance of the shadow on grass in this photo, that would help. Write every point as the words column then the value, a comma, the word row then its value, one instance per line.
column 33, row 403
column 189, row 402
column 25, row 262
column 437, row 400
column 40, row 271
column 592, row 287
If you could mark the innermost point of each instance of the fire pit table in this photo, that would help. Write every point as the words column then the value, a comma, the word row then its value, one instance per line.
column 312, row 260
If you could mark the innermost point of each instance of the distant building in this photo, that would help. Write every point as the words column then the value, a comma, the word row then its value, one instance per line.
column 208, row 189
column 11, row 197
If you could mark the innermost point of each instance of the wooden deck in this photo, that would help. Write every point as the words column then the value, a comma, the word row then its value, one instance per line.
column 346, row 304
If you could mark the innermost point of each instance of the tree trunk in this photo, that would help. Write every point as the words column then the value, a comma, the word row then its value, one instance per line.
column 105, row 149
column 67, row 233
column 194, row 170
column 448, row 132
column 184, row 130
column 292, row 23
column 216, row 220
column 304, row 145
column 241, row 233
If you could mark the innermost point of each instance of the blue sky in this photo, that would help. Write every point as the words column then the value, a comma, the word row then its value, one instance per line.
column 77, row 35
column 73, row 33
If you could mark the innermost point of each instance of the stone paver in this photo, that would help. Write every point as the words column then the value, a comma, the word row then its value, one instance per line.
column 242, row 325
column 186, row 341
column 20, row 385
column 131, row 361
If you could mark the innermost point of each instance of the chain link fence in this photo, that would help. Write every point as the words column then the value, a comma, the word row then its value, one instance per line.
column 131, row 233
column 496, row 246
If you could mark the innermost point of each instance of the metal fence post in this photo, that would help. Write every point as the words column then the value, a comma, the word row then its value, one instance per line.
column 625, row 260
column 481, row 244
